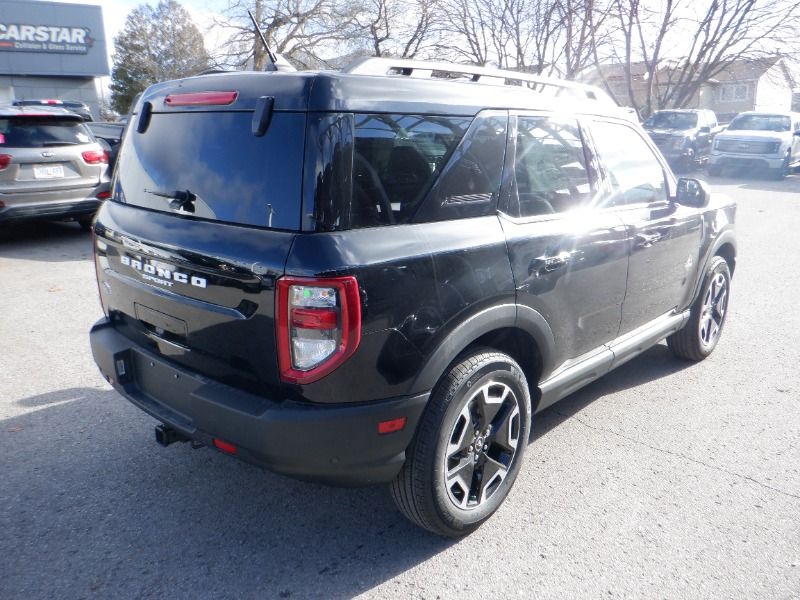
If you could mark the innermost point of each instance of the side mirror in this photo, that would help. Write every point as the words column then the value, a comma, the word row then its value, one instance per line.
column 797, row 132
column 705, row 129
column 692, row 192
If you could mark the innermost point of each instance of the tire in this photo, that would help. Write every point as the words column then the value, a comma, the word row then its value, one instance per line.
column 700, row 335
column 781, row 172
column 484, row 391
column 86, row 222
column 714, row 170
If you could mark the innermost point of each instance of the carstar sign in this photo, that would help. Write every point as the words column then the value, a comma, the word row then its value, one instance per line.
column 44, row 38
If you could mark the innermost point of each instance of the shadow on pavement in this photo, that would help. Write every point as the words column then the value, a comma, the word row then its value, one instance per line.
column 652, row 364
column 756, row 181
column 52, row 241
column 92, row 507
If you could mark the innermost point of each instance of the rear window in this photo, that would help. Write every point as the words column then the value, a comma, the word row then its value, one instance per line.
column 42, row 132
column 210, row 165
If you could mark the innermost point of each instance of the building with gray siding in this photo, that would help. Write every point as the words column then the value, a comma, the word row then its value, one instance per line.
column 51, row 50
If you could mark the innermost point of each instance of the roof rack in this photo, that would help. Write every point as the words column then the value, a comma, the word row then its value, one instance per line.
column 484, row 75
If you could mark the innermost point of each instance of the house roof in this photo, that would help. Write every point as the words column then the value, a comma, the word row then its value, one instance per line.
column 735, row 71
column 746, row 70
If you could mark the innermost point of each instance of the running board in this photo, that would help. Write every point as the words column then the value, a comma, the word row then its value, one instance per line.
column 573, row 377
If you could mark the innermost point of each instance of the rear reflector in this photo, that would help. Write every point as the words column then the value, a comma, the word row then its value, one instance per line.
column 5, row 159
column 201, row 99
column 226, row 447
column 391, row 426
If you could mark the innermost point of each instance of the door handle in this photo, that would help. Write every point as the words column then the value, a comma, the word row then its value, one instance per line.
column 548, row 264
column 645, row 240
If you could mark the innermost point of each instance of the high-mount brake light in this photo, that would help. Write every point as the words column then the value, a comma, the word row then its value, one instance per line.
column 201, row 99
column 5, row 160
column 318, row 325
column 95, row 157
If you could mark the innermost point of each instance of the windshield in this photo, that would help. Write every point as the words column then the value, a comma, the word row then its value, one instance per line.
column 42, row 132
column 760, row 123
column 671, row 120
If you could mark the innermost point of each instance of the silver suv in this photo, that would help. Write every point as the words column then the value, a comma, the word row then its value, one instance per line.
column 51, row 165
column 769, row 142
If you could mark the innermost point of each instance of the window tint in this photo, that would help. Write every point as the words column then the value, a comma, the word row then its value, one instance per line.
column 634, row 171
column 42, row 132
column 550, row 167
column 230, row 174
column 396, row 159
column 470, row 183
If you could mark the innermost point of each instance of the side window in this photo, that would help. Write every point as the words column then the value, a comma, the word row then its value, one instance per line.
column 550, row 167
column 396, row 158
column 634, row 171
column 470, row 182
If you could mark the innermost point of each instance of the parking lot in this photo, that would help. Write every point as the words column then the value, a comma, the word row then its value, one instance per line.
column 663, row 479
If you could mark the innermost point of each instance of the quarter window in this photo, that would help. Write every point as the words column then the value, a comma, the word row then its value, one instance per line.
column 635, row 173
column 550, row 167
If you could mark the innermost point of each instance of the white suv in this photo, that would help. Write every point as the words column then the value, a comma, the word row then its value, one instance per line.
column 758, row 140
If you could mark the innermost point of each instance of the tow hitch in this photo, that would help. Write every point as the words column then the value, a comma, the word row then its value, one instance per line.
column 167, row 435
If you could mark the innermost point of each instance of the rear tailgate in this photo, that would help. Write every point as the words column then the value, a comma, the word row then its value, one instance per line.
column 200, row 293
column 202, row 217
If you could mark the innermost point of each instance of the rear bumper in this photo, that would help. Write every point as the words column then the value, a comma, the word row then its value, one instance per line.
column 335, row 444
column 17, row 207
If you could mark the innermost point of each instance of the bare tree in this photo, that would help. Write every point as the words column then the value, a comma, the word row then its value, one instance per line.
column 682, row 45
column 395, row 27
column 301, row 30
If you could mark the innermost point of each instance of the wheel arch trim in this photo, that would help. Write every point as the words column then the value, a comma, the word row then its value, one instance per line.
column 502, row 316
column 726, row 238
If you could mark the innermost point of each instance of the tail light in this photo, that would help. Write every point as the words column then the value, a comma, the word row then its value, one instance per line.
column 318, row 325
column 5, row 159
column 95, row 157
column 104, row 195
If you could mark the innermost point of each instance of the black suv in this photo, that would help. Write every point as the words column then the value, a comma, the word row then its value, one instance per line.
column 684, row 136
column 356, row 278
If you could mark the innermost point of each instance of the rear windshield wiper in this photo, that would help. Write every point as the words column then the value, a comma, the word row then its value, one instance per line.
column 47, row 144
column 179, row 199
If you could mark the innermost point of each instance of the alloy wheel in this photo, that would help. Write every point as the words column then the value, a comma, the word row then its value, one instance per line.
column 482, row 445
column 715, row 304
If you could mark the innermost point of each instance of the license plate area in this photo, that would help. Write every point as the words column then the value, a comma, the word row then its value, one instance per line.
column 48, row 171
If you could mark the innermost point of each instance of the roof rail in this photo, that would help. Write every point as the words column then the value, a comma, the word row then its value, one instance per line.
column 484, row 75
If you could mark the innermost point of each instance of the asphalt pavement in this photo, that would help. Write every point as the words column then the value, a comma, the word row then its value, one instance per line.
column 662, row 480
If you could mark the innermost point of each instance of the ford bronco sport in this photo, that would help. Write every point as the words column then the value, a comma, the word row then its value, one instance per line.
column 359, row 278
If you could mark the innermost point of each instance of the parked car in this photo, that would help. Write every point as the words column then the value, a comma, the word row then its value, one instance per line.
column 362, row 279
column 764, row 141
column 684, row 136
column 75, row 106
column 109, row 132
column 50, row 166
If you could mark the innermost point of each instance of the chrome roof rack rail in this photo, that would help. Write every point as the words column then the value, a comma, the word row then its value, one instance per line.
column 420, row 69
